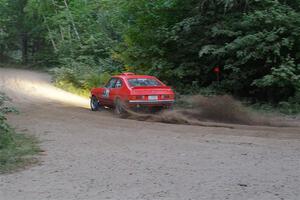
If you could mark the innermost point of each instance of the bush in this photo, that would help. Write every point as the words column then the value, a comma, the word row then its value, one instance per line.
column 290, row 107
column 14, row 148
column 96, row 80
column 79, row 80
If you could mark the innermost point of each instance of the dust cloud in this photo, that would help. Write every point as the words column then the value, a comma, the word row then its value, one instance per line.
column 218, row 109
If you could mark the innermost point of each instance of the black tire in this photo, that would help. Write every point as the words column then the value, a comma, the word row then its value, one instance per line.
column 95, row 105
column 119, row 108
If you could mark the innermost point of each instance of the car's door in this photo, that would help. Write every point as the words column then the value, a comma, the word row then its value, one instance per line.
column 115, row 91
column 105, row 95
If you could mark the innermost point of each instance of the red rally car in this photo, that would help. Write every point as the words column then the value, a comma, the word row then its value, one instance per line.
column 134, row 92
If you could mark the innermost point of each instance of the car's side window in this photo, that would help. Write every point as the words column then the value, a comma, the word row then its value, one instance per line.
column 111, row 83
column 118, row 83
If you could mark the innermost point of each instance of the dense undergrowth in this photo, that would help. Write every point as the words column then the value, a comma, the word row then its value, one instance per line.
column 291, row 107
column 16, row 150
column 78, row 81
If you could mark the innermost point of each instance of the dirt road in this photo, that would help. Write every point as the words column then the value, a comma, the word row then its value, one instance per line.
column 92, row 156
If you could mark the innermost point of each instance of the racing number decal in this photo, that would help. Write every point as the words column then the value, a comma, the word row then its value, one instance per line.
column 105, row 93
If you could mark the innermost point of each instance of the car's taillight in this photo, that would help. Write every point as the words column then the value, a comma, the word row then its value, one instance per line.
column 167, row 96
column 140, row 97
column 136, row 97
column 132, row 97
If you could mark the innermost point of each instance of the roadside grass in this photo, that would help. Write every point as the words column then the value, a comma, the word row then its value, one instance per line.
column 16, row 150
column 283, row 108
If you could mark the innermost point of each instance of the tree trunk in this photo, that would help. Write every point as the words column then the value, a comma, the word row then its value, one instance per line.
column 72, row 20
column 50, row 35
column 24, row 39
column 61, row 33
column 60, row 27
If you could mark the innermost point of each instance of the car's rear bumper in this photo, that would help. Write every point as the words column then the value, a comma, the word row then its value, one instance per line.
column 150, row 103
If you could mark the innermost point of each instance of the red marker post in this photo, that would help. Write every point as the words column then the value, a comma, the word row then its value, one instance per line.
column 217, row 71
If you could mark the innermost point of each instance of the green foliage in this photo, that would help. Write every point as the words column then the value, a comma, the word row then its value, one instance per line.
column 96, row 80
column 78, row 80
column 14, row 148
column 182, row 41
column 285, row 75
column 247, row 45
column 289, row 108
column 285, row 107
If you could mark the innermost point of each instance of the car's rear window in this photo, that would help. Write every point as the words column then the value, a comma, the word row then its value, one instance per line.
column 135, row 82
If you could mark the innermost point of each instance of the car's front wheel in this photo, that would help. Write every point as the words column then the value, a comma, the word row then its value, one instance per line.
column 95, row 105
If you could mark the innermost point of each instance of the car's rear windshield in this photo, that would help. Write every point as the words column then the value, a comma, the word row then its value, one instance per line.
column 136, row 82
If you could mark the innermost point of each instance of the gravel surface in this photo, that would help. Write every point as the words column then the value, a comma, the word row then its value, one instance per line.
column 94, row 155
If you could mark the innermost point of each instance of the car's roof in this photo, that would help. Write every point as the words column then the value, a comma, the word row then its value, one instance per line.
column 132, row 76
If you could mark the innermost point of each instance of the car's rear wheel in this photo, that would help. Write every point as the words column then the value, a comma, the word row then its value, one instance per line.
column 95, row 105
column 120, row 108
